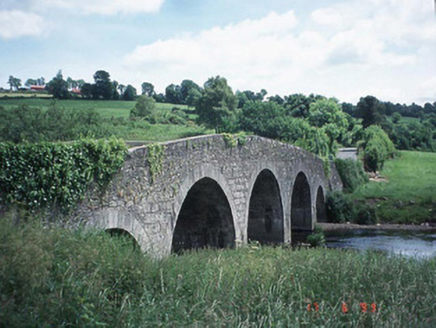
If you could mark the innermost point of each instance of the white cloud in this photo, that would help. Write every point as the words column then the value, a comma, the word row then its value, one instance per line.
column 346, row 50
column 15, row 24
column 102, row 7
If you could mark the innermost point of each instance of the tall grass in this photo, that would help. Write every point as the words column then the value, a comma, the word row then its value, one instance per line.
column 57, row 277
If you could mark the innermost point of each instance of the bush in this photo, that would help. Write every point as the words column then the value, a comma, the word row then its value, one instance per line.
column 317, row 238
column 27, row 124
column 56, row 175
column 145, row 107
column 366, row 214
column 352, row 174
column 340, row 208
column 376, row 148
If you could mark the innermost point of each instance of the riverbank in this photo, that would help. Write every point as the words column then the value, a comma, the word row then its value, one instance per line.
column 385, row 226
column 408, row 196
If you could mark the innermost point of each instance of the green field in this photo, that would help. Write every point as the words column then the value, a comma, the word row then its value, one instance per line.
column 115, row 117
column 58, row 277
column 106, row 108
column 410, row 193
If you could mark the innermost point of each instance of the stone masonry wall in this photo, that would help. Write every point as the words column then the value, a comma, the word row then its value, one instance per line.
column 148, row 209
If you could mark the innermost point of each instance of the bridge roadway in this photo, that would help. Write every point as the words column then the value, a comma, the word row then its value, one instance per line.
column 204, row 192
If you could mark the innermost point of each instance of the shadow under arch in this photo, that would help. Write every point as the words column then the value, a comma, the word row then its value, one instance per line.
column 265, row 215
column 120, row 221
column 321, row 215
column 125, row 237
column 205, row 218
column 301, row 207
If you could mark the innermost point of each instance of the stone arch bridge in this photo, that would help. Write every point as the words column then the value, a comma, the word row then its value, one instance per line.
column 212, row 191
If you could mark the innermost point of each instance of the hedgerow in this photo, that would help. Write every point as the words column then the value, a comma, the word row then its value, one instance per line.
column 56, row 175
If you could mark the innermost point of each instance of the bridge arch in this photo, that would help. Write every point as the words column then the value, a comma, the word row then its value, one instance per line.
column 301, row 203
column 265, row 214
column 128, row 238
column 204, row 212
column 121, row 222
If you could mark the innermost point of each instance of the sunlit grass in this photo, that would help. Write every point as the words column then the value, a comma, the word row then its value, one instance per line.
column 410, row 193
column 112, row 111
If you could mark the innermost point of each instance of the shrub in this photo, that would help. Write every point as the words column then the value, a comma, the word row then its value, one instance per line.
column 352, row 174
column 56, row 175
column 145, row 107
column 340, row 208
column 376, row 148
column 27, row 124
column 317, row 238
column 366, row 214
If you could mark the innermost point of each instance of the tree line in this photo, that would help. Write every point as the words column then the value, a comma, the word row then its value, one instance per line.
column 314, row 122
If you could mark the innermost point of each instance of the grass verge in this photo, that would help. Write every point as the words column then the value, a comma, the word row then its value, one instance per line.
column 57, row 277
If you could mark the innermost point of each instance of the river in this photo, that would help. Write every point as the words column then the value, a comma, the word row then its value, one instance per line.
column 400, row 242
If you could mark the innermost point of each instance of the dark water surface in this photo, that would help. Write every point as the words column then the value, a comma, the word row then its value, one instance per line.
column 406, row 243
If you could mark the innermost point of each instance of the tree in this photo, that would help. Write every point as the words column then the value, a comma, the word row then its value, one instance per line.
column 396, row 117
column 279, row 100
column 58, row 87
column 160, row 98
column 376, row 148
column 371, row 111
column 327, row 114
column 30, row 82
column 247, row 95
column 298, row 104
column 14, row 83
column 86, row 90
column 70, row 82
column 80, row 83
column 185, row 89
column 348, row 108
column 266, row 119
column 144, row 107
column 103, row 88
column 115, row 94
column 147, row 89
column 121, row 88
column 217, row 102
column 193, row 97
column 40, row 81
column 172, row 94
column 129, row 93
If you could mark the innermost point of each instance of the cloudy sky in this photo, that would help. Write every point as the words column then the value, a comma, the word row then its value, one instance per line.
column 341, row 48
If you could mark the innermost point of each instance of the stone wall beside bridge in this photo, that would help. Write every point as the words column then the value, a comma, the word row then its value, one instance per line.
column 207, row 191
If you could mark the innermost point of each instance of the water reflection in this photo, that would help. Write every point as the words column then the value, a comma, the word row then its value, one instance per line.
column 406, row 243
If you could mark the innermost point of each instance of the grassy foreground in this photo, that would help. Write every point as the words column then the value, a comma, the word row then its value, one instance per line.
column 409, row 196
column 56, row 277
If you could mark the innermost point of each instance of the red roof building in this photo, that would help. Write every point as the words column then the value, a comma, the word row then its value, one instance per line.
column 37, row 87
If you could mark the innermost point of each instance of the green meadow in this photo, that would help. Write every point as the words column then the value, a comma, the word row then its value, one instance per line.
column 115, row 118
column 106, row 108
column 409, row 195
